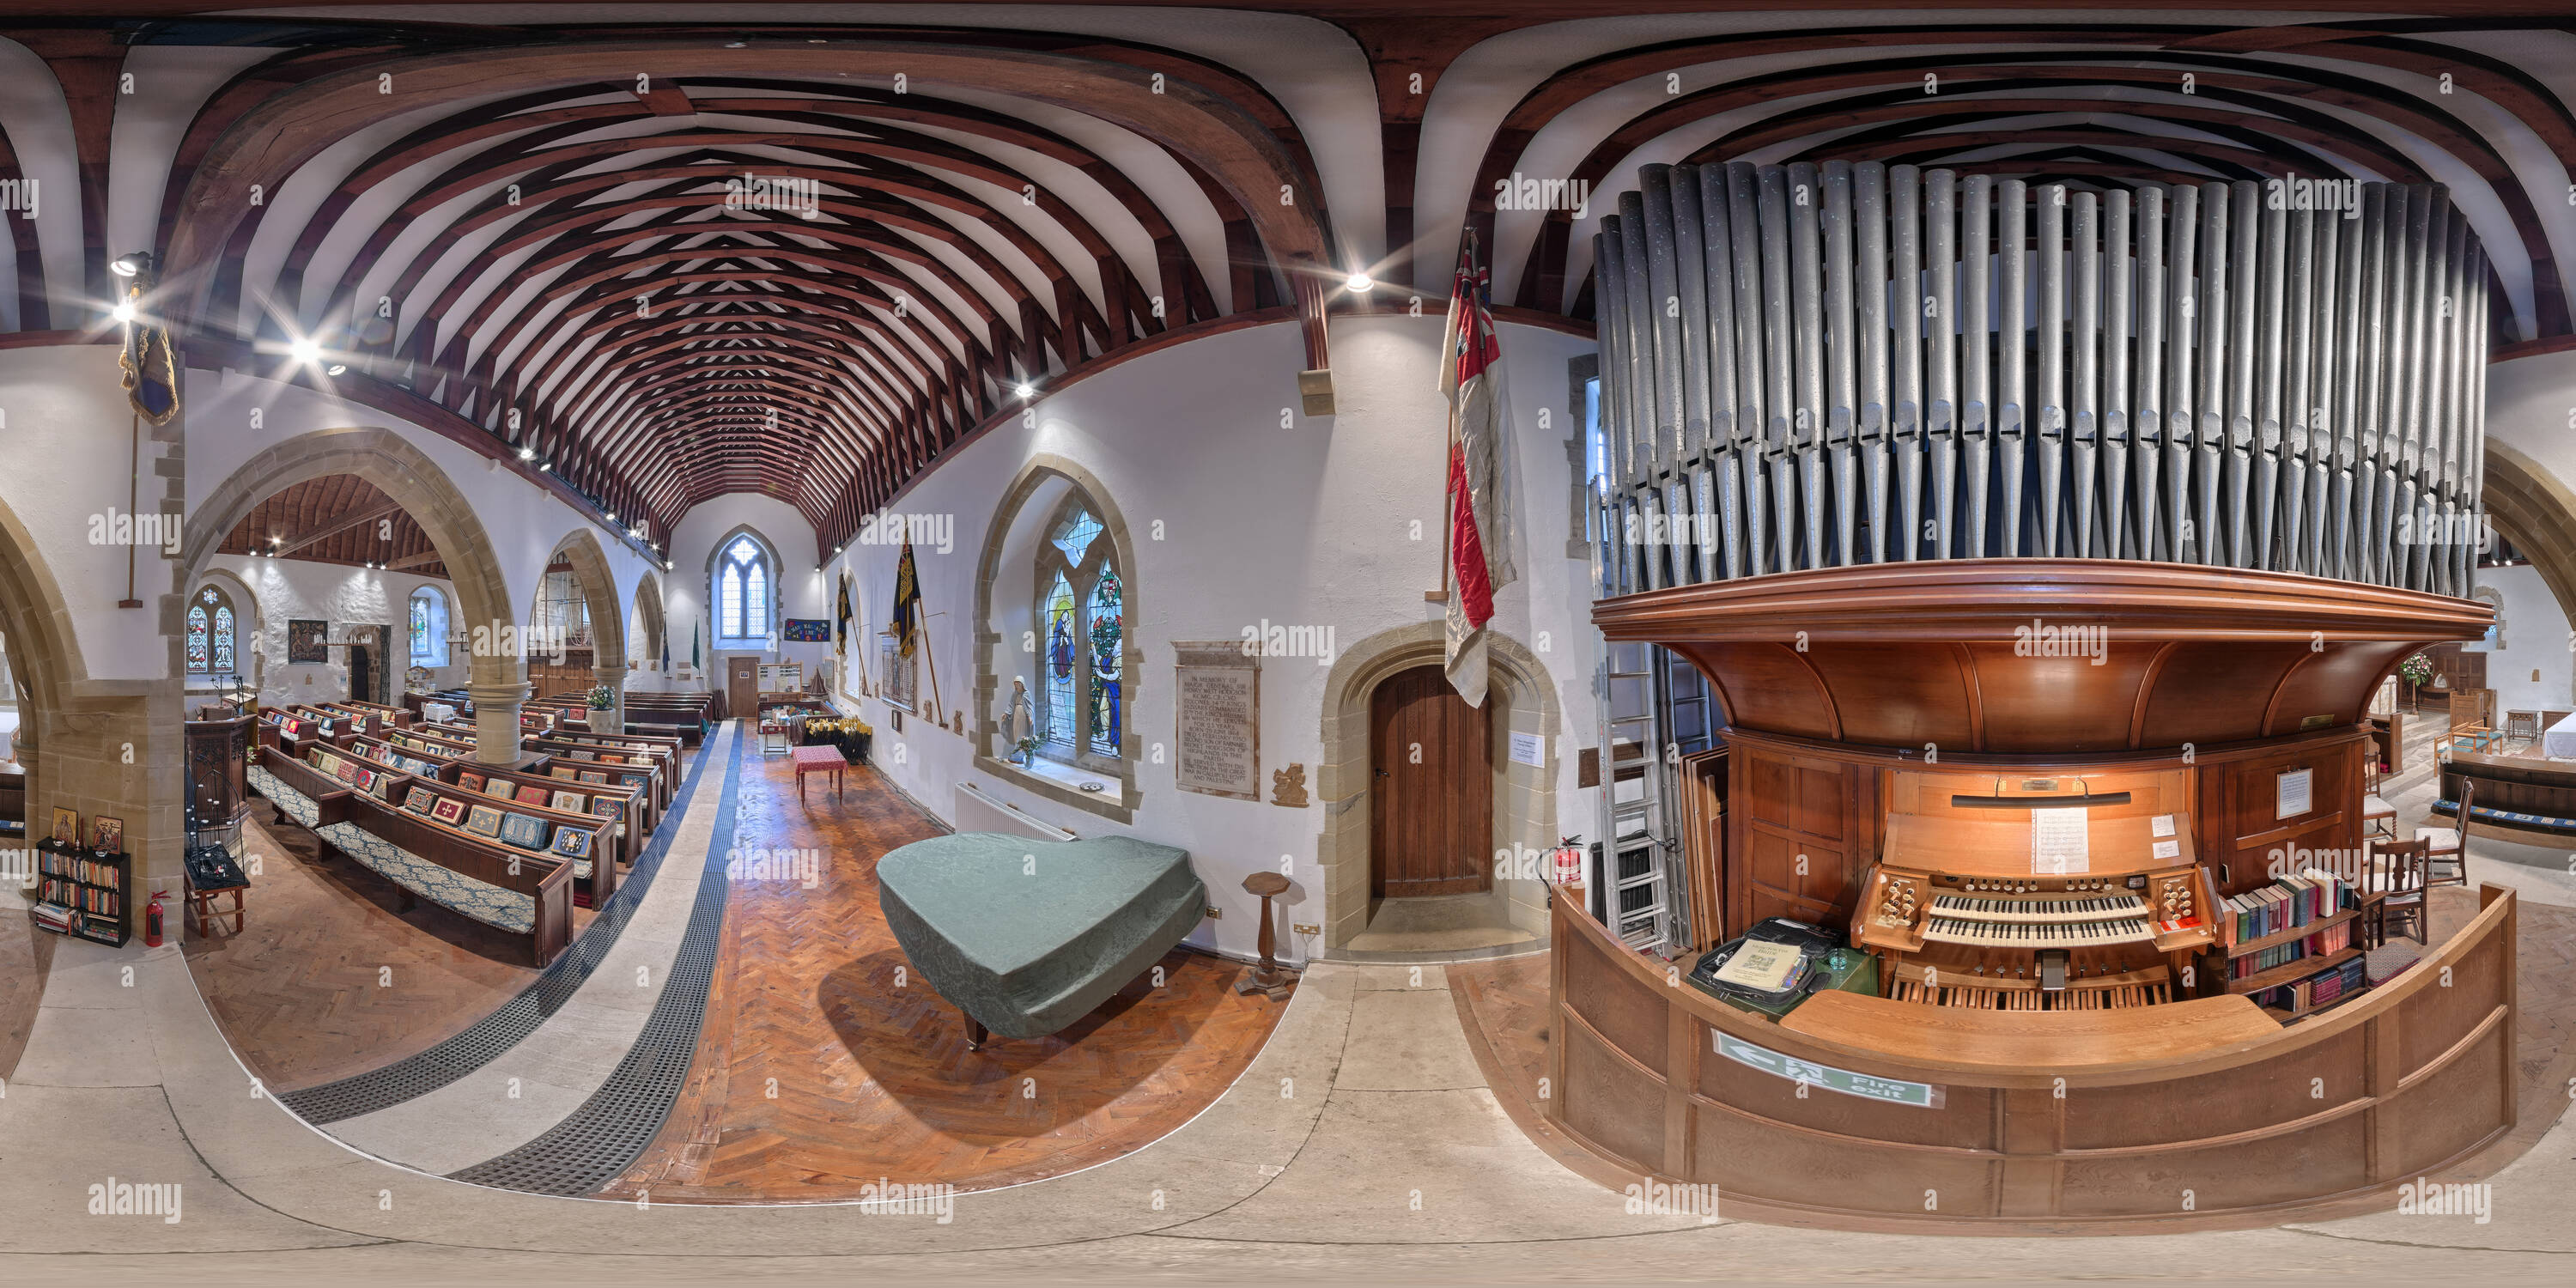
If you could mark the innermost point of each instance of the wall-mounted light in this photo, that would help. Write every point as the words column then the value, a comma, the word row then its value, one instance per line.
column 1359, row 284
column 134, row 264
column 123, row 312
column 336, row 368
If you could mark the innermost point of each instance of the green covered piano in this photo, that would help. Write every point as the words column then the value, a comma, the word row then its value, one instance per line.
column 1026, row 936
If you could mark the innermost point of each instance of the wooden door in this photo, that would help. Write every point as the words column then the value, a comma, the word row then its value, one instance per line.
column 362, row 672
column 1431, row 815
column 742, row 686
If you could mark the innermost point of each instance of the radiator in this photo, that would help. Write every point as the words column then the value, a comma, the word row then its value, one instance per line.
column 977, row 812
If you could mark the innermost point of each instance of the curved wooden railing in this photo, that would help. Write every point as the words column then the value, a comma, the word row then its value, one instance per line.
column 2414, row 1077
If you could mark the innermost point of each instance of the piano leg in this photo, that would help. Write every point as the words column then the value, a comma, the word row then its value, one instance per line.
column 976, row 1034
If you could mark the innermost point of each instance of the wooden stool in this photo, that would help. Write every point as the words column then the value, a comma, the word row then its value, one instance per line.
column 1267, row 978
column 202, row 910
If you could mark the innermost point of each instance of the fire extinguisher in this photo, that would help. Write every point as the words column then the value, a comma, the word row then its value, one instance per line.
column 1569, row 860
column 152, row 920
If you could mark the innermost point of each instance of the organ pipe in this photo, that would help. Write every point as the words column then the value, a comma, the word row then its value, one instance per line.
column 1826, row 364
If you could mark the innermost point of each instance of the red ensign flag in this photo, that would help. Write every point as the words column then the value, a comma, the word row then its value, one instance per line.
column 1480, row 522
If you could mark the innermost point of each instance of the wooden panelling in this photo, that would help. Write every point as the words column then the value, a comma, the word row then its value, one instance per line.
column 1743, row 1155
column 1899, row 695
column 1801, row 827
column 1611, row 1110
column 2239, row 821
column 2027, row 700
column 2215, row 691
column 1765, row 686
column 1626, row 1016
column 2145, row 1120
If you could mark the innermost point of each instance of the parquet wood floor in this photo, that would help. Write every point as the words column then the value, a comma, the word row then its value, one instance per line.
column 327, row 979
column 25, row 954
column 825, row 1064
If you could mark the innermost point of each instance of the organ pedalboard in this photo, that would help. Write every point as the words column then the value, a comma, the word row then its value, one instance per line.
column 2034, row 942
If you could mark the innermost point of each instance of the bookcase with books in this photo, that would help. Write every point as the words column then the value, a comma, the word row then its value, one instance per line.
column 2290, row 946
column 82, row 892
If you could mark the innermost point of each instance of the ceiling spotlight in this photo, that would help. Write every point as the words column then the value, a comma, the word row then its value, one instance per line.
column 335, row 369
column 666, row 565
column 123, row 312
column 276, row 540
column 305, row 351
column 836, row 550
column 527, row 453
column 1359, row 284
column 133, row 265
column 1026, row 390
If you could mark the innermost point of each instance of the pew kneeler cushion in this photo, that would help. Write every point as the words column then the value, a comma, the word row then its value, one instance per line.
column 1028, row 953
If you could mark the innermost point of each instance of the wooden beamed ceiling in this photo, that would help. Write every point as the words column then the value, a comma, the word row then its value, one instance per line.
column 550, row 240
column 336, row 519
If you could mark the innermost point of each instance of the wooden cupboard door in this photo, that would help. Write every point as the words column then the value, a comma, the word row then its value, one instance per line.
column 1431, row 815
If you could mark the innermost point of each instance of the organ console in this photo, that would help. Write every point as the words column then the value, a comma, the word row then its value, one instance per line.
column 1960, row 918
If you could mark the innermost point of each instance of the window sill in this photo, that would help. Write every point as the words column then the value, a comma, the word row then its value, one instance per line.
column 1063, row 785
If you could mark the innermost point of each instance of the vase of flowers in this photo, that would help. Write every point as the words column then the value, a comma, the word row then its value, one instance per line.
column 600, row 699
column 1028, row 749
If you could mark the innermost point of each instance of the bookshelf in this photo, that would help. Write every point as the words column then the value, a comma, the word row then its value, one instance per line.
column 83, row 893
column 2305, row 969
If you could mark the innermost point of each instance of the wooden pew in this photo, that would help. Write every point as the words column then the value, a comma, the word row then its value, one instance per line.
column 631, row 821
column 406, row 837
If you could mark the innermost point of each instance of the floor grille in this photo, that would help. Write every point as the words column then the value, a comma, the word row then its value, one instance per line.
column 483, row 1042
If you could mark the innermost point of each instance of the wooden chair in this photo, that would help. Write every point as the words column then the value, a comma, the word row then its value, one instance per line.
column 2398, row 873
column 2377, row 814
column 2446, row 860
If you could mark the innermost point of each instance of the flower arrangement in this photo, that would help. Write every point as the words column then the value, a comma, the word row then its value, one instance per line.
column 1029, row 748
column 2416, row 670
column 601, row 697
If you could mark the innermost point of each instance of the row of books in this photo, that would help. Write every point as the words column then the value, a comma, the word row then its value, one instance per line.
column 2286, row 904
column 85, row 871
column 2332, row 939
column 56, row 890
column 67, row 921
column 2321, row 989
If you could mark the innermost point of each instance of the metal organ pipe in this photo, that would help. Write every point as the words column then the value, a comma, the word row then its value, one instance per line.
column 1824, row 364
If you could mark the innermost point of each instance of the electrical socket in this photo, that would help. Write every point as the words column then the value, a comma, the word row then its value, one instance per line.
column 1304, row 929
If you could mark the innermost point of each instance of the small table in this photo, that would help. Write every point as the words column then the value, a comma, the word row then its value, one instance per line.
column 818, row 760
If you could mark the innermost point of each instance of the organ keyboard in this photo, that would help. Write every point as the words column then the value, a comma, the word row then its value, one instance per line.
column 1978, row 928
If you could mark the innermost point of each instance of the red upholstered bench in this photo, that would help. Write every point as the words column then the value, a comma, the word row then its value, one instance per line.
column 818, row 760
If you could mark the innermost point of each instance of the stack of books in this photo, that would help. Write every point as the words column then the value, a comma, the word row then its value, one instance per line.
column 2324, row 988
column 1765, row 967
column 2286, row 904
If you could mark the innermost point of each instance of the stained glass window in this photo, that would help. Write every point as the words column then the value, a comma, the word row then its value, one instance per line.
column 1081, row 703
column 210, row 633
column 419, row 629
column 428, row 627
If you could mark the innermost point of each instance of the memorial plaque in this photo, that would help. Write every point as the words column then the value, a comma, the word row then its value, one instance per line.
column 1218, row 706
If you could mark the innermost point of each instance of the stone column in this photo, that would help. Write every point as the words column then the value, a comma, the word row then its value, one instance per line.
column 612, row 674
column 496, row 719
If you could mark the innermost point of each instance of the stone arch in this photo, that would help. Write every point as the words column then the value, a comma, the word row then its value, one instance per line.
column 2537, row 513
column 987, row 719
column 589, row 561
column 652, row 630
column 2495, row 599
column 497, row 678
column 1523, row 699
column 43, row 657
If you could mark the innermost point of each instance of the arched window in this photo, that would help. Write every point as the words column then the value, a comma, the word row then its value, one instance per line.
column 1081, row 712
column 743, row 591
column 428, row 627
column 211, row 633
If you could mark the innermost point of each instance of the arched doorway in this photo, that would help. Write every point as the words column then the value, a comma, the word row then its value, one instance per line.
column 1399, row 673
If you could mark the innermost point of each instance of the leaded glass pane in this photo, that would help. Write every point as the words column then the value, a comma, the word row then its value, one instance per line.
column 732, row 603
column 755, row 606
column 1075, row 534
column 223, row 660
column 196, row 640
column 1108, row 634
column 1058, row 709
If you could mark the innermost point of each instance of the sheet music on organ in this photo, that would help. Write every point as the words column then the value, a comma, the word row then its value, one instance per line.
column 2059, row 841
